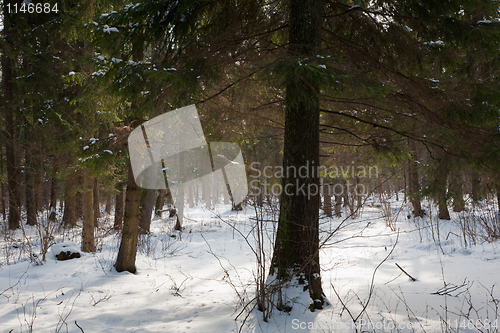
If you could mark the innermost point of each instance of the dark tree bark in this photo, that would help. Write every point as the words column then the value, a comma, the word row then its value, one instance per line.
column 413, row 183
column 497, row 187
column 440, row 188
column 457, row 190
column 179, row 205
column 127, row 252
column 119, row 207
column 54, row 184
column 475, row 187
column 2, row 185
column 12, row 167
column 69, row 215
column 128, row 246
column 97, row 206
column 79, row 195
column 88, row 244
column 109, row 200
column 296, row 249
column 31, row 211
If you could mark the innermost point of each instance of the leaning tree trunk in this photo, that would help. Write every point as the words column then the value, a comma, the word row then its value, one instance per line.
column 296, row 249
column 128, row 246
column 148, row 203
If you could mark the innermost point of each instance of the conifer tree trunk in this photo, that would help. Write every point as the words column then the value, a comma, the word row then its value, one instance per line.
column 97, row 207
column 119, row 208
column 109, row 200
column 79, row 195
column 442, row 174
column 54, row 184
column 88, row 242
column 413, row 183
column 2, row 185
column 127, row 252
column 148, row 203
column 128, row 245
column 297, row 241
column 69, row 215
column 475, row 187
column 497, row 188
column 30, row 195
column 457, row 191
column 179, row 205
column 12, row 168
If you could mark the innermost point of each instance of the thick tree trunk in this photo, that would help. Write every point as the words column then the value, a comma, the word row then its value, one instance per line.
column 12, row 167
column 88, row 244
column 444, row 213
column 147, row 205
column 119, row 207
column 128, row 245
column 296, row 249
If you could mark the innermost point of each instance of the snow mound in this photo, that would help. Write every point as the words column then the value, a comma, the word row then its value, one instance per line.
column 65, row 251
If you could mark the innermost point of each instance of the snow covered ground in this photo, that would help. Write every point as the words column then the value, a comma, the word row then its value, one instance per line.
column 202, row 279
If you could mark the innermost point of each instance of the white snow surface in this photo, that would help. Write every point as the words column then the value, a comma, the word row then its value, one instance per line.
column 199, row 280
